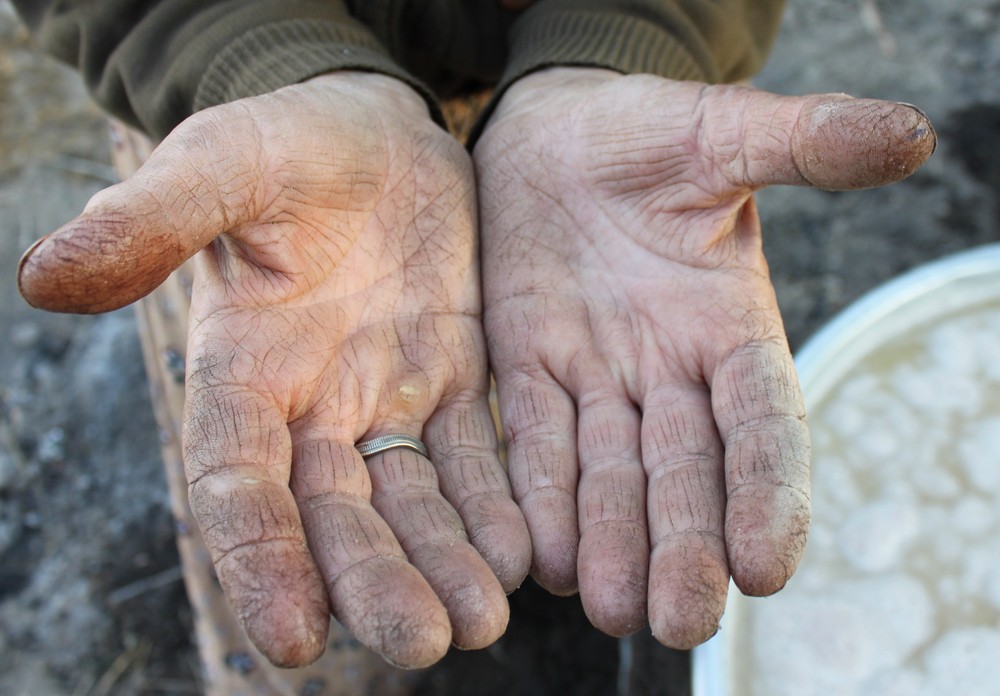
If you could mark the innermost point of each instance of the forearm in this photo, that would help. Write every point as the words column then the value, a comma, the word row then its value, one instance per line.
column 155, row 62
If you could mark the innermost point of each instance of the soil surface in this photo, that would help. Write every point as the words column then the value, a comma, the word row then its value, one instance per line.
column 90, row 595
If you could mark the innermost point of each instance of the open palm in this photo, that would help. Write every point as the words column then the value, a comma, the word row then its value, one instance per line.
column 657, row 437
column 337, row 299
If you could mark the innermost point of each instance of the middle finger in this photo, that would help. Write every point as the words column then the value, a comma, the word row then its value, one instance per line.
column 614, row 548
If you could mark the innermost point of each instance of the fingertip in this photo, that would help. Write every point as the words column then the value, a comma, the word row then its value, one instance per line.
column 850, row 144
column 764, row 549
column 761, row 579
column 288, row 627
column 555, row 570
column 92, row 264
column 290, row 637
column 759, row 570
column 505, row 546
column 391, row 608
column 511, row 570
column 550, row 514
column 758, row 573
column 614, row 578
column 915, row 129
column 682, row 634
column 415, row 644
column 485, row 617
column 922, row 130
column 620, row 618
column 687, row 591
column 472, row 596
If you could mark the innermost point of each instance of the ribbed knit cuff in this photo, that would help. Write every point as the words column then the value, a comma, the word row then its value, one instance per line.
column 598, row 39
column 625, row 43
column 283, row 53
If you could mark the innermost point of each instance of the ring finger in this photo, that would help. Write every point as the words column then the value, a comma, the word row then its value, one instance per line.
column 406, row 493
column 374, row 591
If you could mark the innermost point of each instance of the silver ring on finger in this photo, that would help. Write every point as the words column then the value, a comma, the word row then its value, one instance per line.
column 382, row 443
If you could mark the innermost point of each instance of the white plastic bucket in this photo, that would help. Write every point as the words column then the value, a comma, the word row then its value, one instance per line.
column 966, row 282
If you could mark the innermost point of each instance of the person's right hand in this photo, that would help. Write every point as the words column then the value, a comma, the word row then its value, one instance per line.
column 338, row 299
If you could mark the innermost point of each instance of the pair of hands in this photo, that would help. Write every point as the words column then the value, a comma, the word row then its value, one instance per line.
column 656, row 435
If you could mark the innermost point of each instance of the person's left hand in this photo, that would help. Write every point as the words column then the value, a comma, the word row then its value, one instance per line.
column 656, row 435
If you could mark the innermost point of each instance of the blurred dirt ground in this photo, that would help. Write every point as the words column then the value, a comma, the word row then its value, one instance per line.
column 90, row 596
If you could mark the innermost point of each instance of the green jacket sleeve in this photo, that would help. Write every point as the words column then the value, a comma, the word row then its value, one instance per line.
column 705, row 40
column 152, row 63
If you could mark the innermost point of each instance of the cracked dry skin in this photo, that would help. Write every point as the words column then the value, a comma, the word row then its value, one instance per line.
column 106, row 526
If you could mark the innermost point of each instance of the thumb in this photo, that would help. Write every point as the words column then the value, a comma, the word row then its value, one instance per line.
column 832, row 141
column 131, row 236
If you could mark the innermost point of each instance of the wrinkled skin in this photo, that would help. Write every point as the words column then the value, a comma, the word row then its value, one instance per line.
column 656, row 433
column 338, row 298
column 657, row 437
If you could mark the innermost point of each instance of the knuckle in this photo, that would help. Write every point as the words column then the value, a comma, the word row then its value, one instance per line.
column 234, row 510
column 756, row 380
column 678, row 434
column 772, row 451
column 687, row 495
column 616, row 494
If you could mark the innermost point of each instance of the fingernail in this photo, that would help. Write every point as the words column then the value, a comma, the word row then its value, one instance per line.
column 927, row 128
column 24, row 262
